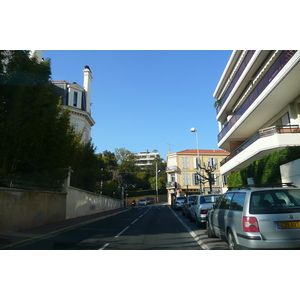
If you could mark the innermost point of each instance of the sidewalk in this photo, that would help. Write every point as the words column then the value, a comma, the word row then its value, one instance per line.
column 10, row 239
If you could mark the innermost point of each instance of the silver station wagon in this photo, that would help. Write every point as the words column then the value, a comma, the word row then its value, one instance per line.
column 257, row 218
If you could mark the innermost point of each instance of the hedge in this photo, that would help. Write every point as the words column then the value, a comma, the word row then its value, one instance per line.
column 266, row 169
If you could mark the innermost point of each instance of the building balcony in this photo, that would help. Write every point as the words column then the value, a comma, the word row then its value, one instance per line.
column 276, row 89
column 172, row 169
column 261, row 143
column 171, row 185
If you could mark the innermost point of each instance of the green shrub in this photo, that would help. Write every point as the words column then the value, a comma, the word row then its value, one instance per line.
column 266, row 169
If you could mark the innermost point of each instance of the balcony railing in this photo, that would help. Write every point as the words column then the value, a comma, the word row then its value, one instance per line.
column 171, row 185
column 236, row 78
column 172, row 169
column 281, row 61
column 260, row 134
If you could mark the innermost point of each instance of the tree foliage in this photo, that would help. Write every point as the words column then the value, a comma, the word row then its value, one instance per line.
column 37, row 142
column 265, row 170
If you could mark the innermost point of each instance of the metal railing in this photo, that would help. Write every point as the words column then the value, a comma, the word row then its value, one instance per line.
column 261, row 134
column 281, row 61
column 236, row 78
column 172, row 169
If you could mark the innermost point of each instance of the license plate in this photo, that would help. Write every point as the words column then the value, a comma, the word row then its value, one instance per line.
column 288, row 225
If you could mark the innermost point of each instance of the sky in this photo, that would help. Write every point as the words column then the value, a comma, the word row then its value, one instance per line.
column 147, row 99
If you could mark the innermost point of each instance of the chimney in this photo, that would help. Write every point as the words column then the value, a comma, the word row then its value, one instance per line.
column 36, row 53
column 87, row 85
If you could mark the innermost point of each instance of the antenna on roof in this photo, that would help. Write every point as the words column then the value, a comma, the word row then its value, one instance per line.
column 169, row 151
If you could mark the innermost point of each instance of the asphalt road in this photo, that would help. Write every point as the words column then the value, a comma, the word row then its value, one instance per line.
column 156, row 227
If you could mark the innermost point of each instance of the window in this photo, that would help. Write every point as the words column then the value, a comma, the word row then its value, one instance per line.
column 196, row 161
column 237, row 202
column 209, row 199
column 196, row 180
column 185, row 163
column 75, row 99
column 216, row 179
column 186, row 178
column 173, row 177
column 212, row 162
column 225, row 202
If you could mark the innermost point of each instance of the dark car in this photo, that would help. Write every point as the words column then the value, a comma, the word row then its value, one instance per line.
column 150, row 200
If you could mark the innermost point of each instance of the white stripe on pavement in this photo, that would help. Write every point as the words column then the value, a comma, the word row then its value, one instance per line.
column 104, row 246
column 122, row 231
column 191, row 232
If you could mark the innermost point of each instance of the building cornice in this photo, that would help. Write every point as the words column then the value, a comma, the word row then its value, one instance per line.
column 82, row 113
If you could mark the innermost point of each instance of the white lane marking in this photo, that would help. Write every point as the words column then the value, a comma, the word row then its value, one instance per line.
column 132, row 223
column 104, row 246
column 122, row 231
column 191, row 232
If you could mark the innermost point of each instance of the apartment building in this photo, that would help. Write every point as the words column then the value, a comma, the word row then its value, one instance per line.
column 182, row 168
column 258, row 105
column 144, row 159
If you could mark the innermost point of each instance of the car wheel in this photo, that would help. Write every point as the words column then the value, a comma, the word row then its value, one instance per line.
column 231, row 241
column 210, row 233
column 191, row 218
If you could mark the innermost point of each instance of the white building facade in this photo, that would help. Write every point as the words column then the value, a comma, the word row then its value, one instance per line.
column 144, row 159
column 78, row 101
column 258, row 110
column 76, row 98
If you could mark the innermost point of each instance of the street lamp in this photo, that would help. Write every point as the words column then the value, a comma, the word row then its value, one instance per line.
column 195, row 130
column 156, row 175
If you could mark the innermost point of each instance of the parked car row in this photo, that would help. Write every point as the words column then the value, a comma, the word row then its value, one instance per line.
column 257, row 218
column 196, row 207
column 146, row 201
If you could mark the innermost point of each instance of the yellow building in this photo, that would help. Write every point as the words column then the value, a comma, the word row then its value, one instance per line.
column 182, row 172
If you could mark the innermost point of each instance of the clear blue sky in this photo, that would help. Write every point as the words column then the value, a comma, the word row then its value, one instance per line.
column 146, row 100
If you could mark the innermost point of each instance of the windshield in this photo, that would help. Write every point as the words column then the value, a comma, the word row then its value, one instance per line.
column 209, row 199
column 275, row 201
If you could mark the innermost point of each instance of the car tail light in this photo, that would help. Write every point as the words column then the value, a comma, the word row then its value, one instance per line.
column 203, row 212
column 250, row 224
column 177, row 202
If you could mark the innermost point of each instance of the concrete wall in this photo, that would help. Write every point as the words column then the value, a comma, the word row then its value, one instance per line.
column 81, row 203
column 290, row 172
column 22, row 209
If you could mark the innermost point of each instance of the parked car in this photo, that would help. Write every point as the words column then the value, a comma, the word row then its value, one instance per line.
column 142, row 202
column 187, row 204
column 177, row 205
column 257, row 218
column 200, row 207
column 149, row 200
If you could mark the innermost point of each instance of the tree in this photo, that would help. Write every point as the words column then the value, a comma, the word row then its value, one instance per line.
column 127, row 168
column 208, row 174
column 85, row 167
column 37, row 142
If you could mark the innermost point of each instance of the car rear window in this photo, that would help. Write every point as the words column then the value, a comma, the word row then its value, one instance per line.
column 275, row 201
column 209, row 199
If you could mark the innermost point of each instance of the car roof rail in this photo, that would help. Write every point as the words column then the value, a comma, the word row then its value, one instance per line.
column 262, row 185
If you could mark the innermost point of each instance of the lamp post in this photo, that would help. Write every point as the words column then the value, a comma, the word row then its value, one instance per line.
column 198, row 152
column 156, row 175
